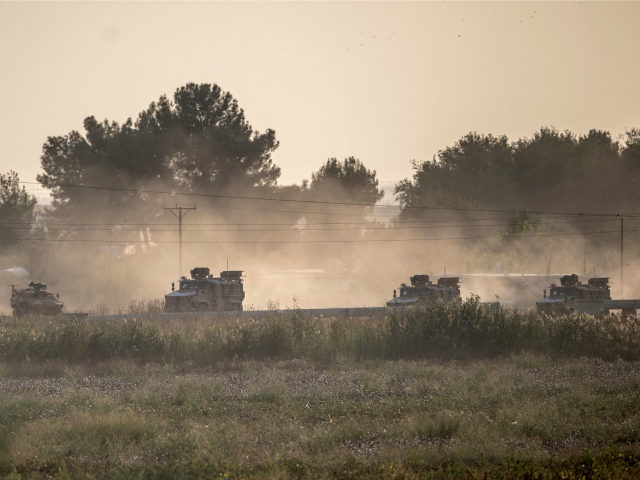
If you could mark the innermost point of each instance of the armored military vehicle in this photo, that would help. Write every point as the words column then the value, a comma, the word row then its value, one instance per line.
column 594, row 297
column 204, row 293
column 34, row 300
column 422, row 290
column 572, row 295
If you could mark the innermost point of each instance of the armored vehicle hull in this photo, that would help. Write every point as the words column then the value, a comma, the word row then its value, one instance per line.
column 572, row 295
column 34, row 300
column 422, row 290
column 204, row 293
column 594, row 298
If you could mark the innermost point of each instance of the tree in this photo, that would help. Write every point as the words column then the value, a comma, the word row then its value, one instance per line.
column 631, row 149
column 559, row 171
column 199, row 142
column 631, row 162
column 206, row 142
column 544, row 164
column 16, row 208
column 552, row 170
column 346, row 181
column 474, row 171
column 521, row 223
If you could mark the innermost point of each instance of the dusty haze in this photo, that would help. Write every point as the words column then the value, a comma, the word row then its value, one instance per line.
column 385, row 82
column 94, row 276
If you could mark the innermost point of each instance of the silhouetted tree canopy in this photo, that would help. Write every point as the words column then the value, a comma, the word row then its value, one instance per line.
column 551, row 171
column 477, row 166
column 199, row 142
column 16, row 208
column 631, row 159
column 348, row 181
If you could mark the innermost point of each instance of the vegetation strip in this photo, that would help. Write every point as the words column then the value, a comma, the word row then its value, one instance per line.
column 609, row 464
column 437, row 331
column 523, row 416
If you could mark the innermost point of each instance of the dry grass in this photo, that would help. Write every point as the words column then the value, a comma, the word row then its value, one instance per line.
column 449, row 391
column 439, row 331
column 255, row 415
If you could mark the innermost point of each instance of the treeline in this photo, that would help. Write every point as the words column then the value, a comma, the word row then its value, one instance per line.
column 200, row 141
column 551, row 171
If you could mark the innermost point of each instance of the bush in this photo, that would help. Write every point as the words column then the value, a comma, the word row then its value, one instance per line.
column 438, row 331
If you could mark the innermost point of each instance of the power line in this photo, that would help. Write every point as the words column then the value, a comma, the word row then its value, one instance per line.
column 382, row 240
column 323, row 202
column 366, row 225
column 294, row 228
column 435, row 220
column 293, row 212
column 336, row 213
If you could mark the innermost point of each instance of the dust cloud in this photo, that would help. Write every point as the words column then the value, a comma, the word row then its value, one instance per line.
column 309, row 256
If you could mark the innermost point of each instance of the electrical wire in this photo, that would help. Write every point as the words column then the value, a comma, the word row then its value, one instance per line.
column 332, row 241
column 462, row 221
column 325, row 202
column 294, row 228
column 395, row 222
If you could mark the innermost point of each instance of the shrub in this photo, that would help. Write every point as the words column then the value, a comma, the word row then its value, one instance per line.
column 439, row 331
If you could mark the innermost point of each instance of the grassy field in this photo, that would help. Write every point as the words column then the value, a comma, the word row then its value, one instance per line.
column 445, row 392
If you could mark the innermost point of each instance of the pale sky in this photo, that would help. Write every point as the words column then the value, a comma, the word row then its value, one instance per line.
column 385, row 82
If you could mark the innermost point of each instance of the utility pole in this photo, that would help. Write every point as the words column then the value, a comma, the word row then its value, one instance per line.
column 622, row 256
column 179, row 211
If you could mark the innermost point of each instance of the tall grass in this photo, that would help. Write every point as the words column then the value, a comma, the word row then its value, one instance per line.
column 134, row 307
column 245, row 417
column 436, row 331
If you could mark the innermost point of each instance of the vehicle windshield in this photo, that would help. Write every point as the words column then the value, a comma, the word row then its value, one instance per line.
column 192, row 284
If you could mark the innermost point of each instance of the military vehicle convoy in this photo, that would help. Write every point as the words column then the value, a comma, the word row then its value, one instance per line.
column 422, row 290
column 34, row 300
column 204, row 293
column 594, row 297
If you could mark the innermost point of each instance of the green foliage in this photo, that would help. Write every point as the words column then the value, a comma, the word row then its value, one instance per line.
column 505, row 418
column 550, row 171
column 198, row 142
column 474, row 171
column 16, row 209
column 608, row 465
column 440, row 330
column 631, row 160
column 522, row 223
column 347, row 181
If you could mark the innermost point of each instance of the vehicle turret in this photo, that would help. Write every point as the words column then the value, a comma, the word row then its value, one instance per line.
column 200, row 273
